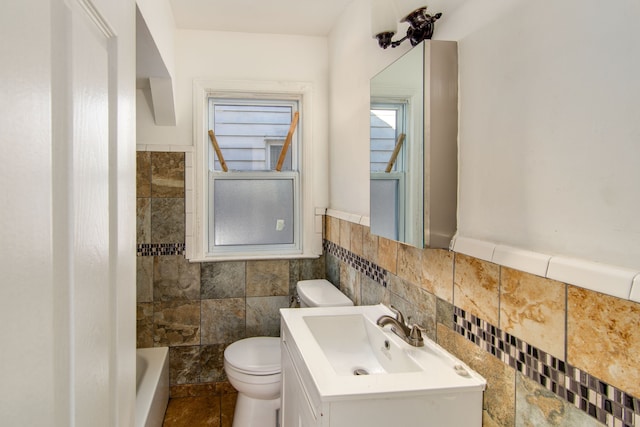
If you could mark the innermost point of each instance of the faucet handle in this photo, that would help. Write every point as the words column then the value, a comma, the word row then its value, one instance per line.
column 416, row 332
column 399, row 316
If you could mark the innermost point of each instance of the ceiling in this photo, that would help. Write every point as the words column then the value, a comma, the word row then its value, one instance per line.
column 302, row 17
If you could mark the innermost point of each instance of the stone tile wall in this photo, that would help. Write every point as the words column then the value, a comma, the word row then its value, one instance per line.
column 553, row 354
column 198, row 309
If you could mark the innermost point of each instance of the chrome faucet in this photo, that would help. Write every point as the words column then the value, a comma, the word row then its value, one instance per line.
column 410, row 334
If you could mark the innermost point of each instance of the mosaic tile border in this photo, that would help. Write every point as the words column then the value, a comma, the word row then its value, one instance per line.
column 604, row 402
column 160, row 249
column 371, row 270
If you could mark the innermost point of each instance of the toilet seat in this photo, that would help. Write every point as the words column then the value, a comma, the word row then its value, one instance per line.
column 254, row 356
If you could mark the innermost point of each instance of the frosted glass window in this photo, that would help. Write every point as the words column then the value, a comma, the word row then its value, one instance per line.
column 253, row 212
column 252, row 208
column 384, row 208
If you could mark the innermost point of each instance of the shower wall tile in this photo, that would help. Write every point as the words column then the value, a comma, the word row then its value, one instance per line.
column 184, row 364
column 143, row 174
column 437, row 273
column 410, row 263
column 144, row 325
column 598, row 325
column 387, row 254
column 267, row 278
column 476, row 287
column 538, row 406
column 222, row 279
column 167, row 220
column 533, row 309
column 499, row 396
column 223, row 320
column 263, row 315
column 144, row 279
column 176, row 323
column 212, row 363
column 167, row 174
column 143, row 220
column 175, row 278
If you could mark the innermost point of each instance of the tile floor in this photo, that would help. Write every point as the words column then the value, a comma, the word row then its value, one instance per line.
column 213, row 410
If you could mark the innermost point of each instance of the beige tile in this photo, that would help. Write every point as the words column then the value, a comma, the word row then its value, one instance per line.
column 388, row 254
column 143, row 220
column 167, row 174
column 143, row 174
column 476, row 287
column 144, row 325
column 369, row 245
column 603, row 337
column 356, row 238
column 333, row 229
column 437, row 273
column 410, row 264
column 267, row 278
column 176, row 323
column 167, row 220
column 536, row 406
column 499, row 396
column 533, row 309
column 345, row 234
column 144, row 279
column 175, row 278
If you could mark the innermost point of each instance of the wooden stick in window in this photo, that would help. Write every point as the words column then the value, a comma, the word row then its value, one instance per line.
column 216, row 147
column 394, row 155
column 287, row 142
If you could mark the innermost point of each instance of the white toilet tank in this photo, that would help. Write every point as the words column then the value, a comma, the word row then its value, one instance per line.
column 320, row 293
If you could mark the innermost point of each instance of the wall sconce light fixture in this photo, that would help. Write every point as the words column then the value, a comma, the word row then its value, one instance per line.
column 383, row 21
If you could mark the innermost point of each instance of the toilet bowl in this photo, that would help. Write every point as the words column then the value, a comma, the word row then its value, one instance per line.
column 253, row 368
column 253, row 364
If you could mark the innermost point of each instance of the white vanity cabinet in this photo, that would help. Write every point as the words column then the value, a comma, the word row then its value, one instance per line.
column 439, row 391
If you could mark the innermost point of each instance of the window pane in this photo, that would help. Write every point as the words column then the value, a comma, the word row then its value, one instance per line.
column 384, row 208
column 384, row 131
column 253, row 211
column 246, row 130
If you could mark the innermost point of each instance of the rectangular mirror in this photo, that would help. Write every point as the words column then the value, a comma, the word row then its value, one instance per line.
column 413, row 157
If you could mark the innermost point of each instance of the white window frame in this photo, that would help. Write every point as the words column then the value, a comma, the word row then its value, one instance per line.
column 197, row 232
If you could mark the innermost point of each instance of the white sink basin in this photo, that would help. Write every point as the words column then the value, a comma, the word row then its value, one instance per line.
column 355, row 346
column 335, row 342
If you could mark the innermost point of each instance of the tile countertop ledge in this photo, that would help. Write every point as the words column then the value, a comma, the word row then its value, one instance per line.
column 607, row 279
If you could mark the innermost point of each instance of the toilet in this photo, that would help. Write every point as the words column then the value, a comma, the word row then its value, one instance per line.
column 253, row 366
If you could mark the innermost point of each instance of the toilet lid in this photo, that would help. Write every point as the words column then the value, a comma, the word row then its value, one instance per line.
column 257, row 355
column 321, row 293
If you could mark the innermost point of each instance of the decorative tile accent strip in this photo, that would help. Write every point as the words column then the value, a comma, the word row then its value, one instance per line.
column 159, row 249
column 609, row 405
column 371, row 270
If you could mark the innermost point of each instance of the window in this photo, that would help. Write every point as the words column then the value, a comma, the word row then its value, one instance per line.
column 243, row 206
column 252, row 205
column 387, row 128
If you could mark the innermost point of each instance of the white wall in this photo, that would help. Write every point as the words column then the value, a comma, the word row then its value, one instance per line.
column 251, row 57
column 549, row 134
